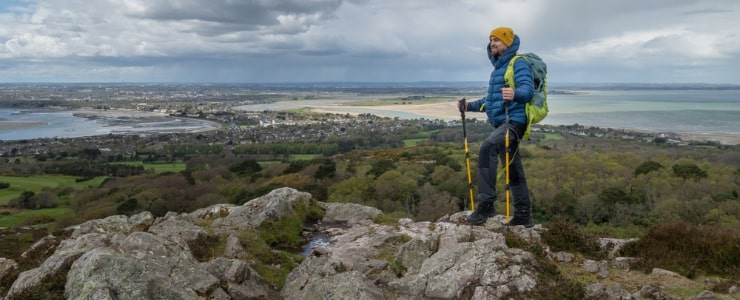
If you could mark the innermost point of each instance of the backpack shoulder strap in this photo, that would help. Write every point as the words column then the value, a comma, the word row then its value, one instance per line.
column 509, row 74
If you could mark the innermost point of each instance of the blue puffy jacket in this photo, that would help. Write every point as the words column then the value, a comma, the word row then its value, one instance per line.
column 492, row 103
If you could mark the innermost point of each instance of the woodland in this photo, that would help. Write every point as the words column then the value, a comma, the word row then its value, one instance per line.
column 619, row 187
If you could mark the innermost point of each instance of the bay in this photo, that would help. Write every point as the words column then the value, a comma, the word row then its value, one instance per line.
column 32, row 124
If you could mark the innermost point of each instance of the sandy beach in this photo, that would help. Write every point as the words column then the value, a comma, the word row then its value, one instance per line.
column 11, row 125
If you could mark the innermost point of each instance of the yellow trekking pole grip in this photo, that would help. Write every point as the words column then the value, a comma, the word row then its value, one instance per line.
column 470, row 177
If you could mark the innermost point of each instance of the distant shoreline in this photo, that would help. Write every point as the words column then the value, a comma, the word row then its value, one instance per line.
column 12, row 125
column 115, row 121
column 448, row 111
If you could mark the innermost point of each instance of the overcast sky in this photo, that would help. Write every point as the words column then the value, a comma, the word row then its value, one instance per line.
column 583, row 41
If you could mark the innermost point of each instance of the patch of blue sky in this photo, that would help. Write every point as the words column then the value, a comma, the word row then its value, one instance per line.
column 13, row 6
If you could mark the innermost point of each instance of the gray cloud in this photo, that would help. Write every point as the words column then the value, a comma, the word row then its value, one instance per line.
column 363, row 40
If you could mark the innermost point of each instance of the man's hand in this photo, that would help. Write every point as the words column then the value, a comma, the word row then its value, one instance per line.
column 507, row 93
column 462, row 105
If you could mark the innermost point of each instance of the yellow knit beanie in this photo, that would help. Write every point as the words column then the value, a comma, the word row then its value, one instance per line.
column 503, row 34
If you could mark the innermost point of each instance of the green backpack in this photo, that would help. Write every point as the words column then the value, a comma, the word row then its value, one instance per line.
column 537, row 108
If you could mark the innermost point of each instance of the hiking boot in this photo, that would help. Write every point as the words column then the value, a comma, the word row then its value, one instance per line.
column 525, row 220
column 481, row 214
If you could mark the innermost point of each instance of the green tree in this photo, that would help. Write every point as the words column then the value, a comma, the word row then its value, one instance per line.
column 356, row 189
column 395, row 192
column 246, row 167
column 689, row 171
column 647, row 167
column 381, row 166
column 434, row 204
column 561, row 207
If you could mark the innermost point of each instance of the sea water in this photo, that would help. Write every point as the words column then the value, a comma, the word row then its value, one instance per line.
column 684, row 111
column 59, row 124
column 64, row 124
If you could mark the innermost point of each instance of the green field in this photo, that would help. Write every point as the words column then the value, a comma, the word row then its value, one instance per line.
column 295, row 157
column 35, row 184
column 413, row 142
column 166, row 167
column 14, row 219
column 553, row 137
column 157, row 167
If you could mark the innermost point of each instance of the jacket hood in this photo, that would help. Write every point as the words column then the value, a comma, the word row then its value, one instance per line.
column 508, row 54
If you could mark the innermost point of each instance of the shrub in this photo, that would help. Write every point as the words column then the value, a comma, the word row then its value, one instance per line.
column 564, row 236
column 273, row 265
column 4, row 185
column 283, row 234
column 206, row 246
column 551, row 283
column 688, row 250
column 39, row 219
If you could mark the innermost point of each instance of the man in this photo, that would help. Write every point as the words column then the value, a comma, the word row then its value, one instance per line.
column 502, row 47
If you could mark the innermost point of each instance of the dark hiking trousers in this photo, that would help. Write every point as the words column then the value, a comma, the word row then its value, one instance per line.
column 492, row 150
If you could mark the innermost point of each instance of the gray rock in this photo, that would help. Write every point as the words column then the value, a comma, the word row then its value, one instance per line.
column 327, row 278
column 733, row 289
column 229, row 270
column 114, row 224
column 178, row 225
column 320, row 251
column 652, row 292
column 142, row 266
column 6, row 266
column 664, row 272
column 623, row 263
column 600, row 268
column 595, row 290
column 448, row 273
column 348, row 212
column 213, row 211
column 273, row 206
column 413, row 253
column 705, row 295
column 241, row 280
column 612, row 246
column 590, row 266
column 67, row 252
column 139, row 257
column 561, row 256
column 617, row 292
column 234, row 248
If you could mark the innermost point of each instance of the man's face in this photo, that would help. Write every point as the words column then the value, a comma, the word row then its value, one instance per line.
column 497, row 46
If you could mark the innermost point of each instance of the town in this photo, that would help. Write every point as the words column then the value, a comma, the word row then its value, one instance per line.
column 216, row 102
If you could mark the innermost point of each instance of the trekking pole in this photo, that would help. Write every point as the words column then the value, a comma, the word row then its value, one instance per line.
column 508, row 151
column 462, row 108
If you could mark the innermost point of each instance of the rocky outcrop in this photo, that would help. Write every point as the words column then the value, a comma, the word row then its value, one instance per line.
column 142, row 257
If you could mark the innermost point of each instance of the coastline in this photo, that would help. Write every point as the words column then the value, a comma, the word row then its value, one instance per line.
column 135, row 119
column 90, row 122
column 12, row 125
column 448, row 111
